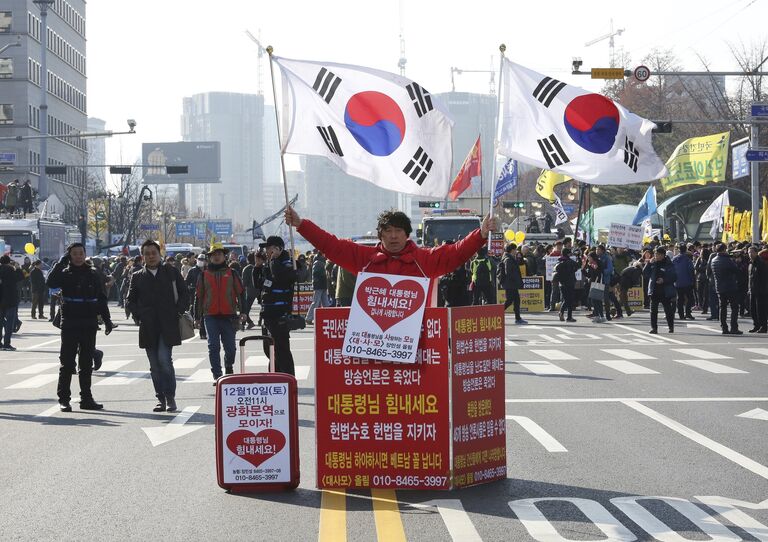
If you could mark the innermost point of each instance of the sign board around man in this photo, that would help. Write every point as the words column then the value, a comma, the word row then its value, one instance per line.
column 531, row 295
column 302, row 298
column 626, row 236
column 378, row 424
column 386, row 317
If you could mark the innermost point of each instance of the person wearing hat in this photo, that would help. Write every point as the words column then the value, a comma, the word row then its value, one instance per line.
column 219, row 299
column 277, row 301
column 191, row 281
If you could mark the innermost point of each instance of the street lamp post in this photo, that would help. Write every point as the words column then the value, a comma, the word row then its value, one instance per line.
column 42, row 183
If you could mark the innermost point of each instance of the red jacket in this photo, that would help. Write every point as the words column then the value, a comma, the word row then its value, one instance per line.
column 412, row 261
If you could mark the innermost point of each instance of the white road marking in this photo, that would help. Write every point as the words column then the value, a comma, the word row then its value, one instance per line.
column 173, row 429
column 759, row 351
column 192, row 338
column 257, row 361
column 541, row 367
column 302, row 371
column 626, row 354
column 732, row 455
column 201, row 376
column 763, row 361
column 46, row 343
column 620, row 339
column 35, row 382
column 656, row 338
column 754, row 414
column 536, row 431
column 700, row 354
column 555, row 355
column 626, row 367
column 710, row 366
column 549, row 338
column 113, row 365
column 706, row 328
column 456, row 519
column 122, row 378
column 186, row 363
column 53, row 410
column 34, row 369
column 643, row 400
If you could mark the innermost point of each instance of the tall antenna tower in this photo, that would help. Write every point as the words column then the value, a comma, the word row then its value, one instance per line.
column 611, row 45
column 401, row 63
column 259, row 61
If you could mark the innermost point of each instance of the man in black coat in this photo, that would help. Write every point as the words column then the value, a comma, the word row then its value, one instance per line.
column 511, row 280
column 661, row 275
column 277, row 301
column 10, row 277
column 564, row 275
column 82, row 302
column 157, row 297
column 725, row 274
column 758, row 291
column 37, row 280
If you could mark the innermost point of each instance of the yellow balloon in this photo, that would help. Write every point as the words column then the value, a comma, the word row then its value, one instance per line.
column 29, row 248
column 519, row 237
column 509, row 235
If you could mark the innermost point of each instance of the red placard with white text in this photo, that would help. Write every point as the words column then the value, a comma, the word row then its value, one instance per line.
column 382, row 424
column 477, row 381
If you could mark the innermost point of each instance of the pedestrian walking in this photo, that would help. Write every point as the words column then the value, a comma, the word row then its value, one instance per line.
column 725, row 274
column 37, row 280
column 319, row 286
column 277, row 301
column 82, row 302
column 157, row 297
column 564, row 276
column 10, row 278
column 593, row 269
column 510, row 280
column 758, row 291
column 661, row 276
column 219, row 299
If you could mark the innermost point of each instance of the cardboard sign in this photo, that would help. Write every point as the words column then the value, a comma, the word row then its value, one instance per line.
column 302, row 298
column 496, row 247
column 380, row 424
column 255, row 432
column 551, row 262
column 386, row 316
column 625, row 235
column 531, row 295
column 478, row 407
column 636, row 298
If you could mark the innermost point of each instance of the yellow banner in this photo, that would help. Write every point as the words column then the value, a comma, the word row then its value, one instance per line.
column 730, row 210
column 736, row 227
column 699, row 160
column 97, row 217
column 546, row 183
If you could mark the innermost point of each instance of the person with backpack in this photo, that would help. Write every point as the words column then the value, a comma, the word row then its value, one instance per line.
column 481, row 269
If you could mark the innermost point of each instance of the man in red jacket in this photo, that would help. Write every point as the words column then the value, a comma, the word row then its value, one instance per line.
column 395, row 254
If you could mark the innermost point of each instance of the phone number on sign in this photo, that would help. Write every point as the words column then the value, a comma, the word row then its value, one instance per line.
column 409, row 481
column 378, row 352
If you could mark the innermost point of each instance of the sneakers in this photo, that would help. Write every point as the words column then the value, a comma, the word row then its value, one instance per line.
column 570, row 320
column 171, row 404
column 229, row 370
column 690, row 317
column 671, row 330
column 90, row 404
column 98, row 357
column 8, row 347
column 654, row 332
column 64, row 406
column 159, row 407
column 733, row 332
column 520, row 322
column 630, row 313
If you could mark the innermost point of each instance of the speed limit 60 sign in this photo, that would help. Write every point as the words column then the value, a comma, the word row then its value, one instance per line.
column 642, row 73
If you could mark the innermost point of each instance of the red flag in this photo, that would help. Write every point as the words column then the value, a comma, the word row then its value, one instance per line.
column 471, row 167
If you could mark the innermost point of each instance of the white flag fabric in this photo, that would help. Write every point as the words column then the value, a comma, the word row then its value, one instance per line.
column 561, row 215
column 372, row 124
column 647, row 228
column 715, row 210
column 552, row 125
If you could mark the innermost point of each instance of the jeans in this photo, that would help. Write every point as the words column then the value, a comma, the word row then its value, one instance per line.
column 669, row 311
column 7, row 323
column 161, row 369
column 76, row 341
column 281, row 336
column 220, row 330
column 714, row 302
column 320, row 299
column 566, row 294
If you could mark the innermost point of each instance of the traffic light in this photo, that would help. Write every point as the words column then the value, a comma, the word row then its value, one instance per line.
column 429, row 204
column 514, row 204
column 662, row 127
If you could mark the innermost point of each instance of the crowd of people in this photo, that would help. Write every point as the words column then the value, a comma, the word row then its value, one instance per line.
column 17, row 197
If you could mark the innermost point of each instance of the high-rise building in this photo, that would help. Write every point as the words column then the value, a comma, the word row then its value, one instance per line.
column 21, row 95
column 236, row 121
column 97, row 153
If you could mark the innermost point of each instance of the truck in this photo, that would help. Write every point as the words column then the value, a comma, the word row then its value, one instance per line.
column 437, row 228
column 49, row 237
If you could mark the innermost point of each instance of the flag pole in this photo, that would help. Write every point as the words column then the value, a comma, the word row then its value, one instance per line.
column 502, row 49
column 282, row 152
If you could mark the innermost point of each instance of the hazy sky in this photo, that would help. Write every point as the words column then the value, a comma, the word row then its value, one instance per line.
column 144, row 56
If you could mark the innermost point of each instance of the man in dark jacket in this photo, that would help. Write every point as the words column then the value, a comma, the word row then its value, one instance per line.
column 510, row 280
column 564, row 276
column 661, row 276
column 277, row 301
column 319, row 285
column 191, row 281
column 686, row 278
column 37, row 280
column 725, row 274
column 10, row 277
column 758, row 291
column 157, row 296
column 82, row 301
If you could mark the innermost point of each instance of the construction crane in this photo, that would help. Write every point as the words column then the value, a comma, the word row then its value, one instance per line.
column 491, row 84
column 259, row 56
column 402, row 61
column 611, row 45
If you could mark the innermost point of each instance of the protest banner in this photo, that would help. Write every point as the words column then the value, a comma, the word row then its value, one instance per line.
column 386, row 316
column 302, row 297
column 531, row 295
column 625, row 236
column 636, row 298
column 496, row 247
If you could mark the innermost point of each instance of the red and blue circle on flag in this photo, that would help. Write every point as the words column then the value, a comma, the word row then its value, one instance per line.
column 375, row 121
column 592, row 121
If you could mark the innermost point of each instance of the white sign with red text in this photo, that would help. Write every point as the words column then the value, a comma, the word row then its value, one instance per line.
column 385, row 317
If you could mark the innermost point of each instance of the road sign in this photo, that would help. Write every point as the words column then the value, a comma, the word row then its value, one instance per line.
column 739, row 164
column 149, row 227
column 757, row 155
column 7, row 158
column 759, row 110
column 607, row 73
column 642, row 73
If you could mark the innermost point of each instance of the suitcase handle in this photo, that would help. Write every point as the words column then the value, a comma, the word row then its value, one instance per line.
column 257, row 338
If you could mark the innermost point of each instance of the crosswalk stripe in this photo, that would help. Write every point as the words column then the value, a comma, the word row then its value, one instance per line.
column 34, row 369
column 619, row 339
column 541, row 367
column 760, row 351
column 626, row 353
column 186, row 363
column 550, row 339
column 539, row 433
column 257, row 361
column 302, row 372
column 37, row 381
column 763, row 361
column 626, row 367
column 555, row 355
column 198, row 377
column 700, row 354
column 122, row 378
column 113, row 365
column 710, row 366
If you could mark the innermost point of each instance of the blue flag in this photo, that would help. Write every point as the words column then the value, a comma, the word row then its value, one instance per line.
column 647, row 206
column 507, row 179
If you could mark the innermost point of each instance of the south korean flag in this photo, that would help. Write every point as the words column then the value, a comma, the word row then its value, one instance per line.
column 372, row 124
column 553, row 125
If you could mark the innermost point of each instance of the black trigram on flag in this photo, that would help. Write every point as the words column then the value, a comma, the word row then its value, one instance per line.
column 546, row 91
column 326, row 84
column 329, row 136
column 552, row 151
column 631, row 154
column 421, row 99
column 419, row 166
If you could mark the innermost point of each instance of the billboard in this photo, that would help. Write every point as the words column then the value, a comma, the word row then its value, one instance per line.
column 202, row 158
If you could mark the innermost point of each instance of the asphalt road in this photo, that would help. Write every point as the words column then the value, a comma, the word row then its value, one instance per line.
column 612, row 434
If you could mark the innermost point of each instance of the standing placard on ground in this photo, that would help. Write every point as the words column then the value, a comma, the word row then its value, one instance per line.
column 636, row 298
column 531, row 295
column 386, row 317
column 257, row 432
column 626, row 236
column 302, row 298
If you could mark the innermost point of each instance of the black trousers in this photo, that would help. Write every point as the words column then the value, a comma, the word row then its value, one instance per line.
column 732, row 300
column 669, row 311
column 759, row 310
column 72, row 341
column 684, row 301
column 281, row 335
column 513, row 297
column 481, row 295
column 38, row 302
column 566, row 295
